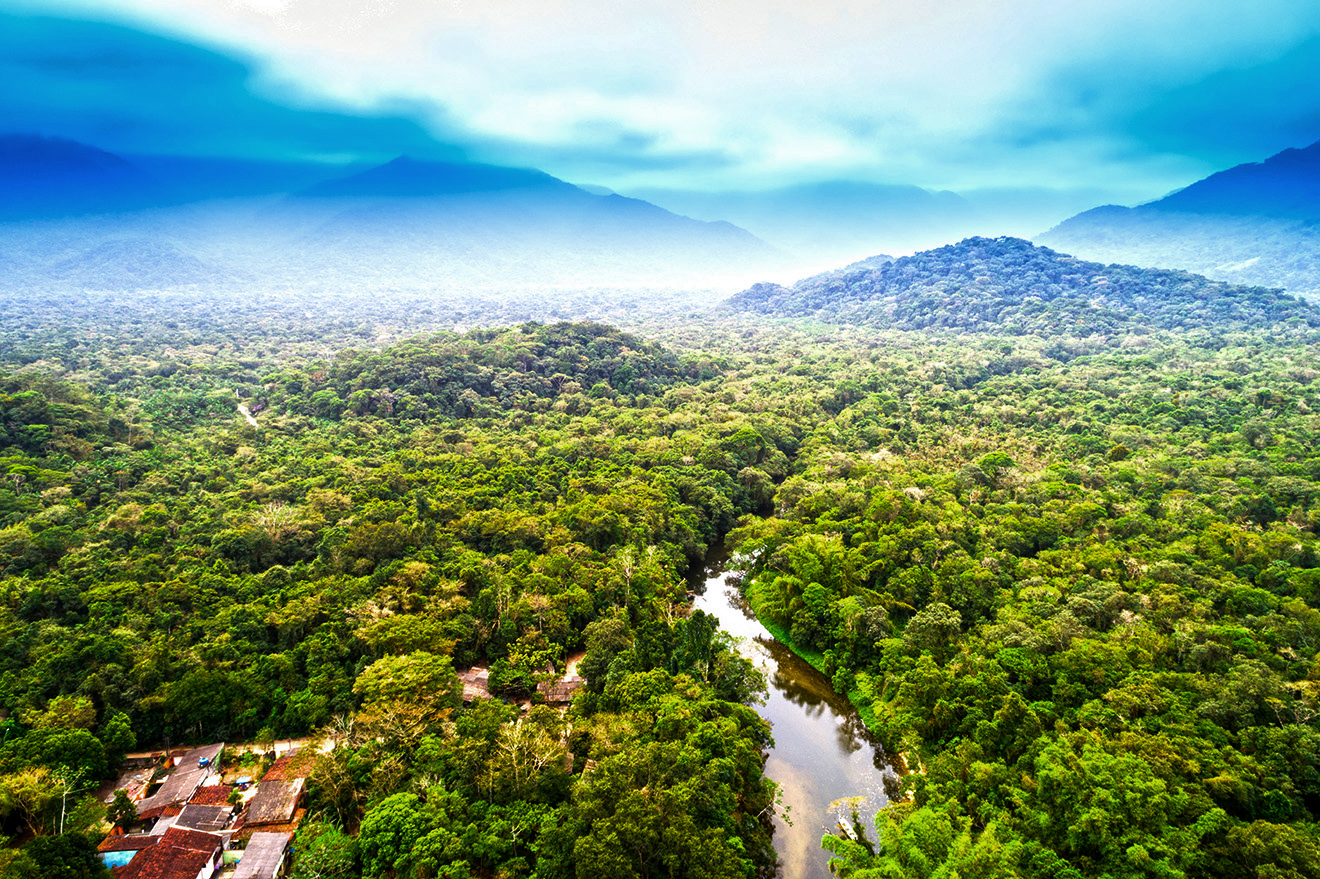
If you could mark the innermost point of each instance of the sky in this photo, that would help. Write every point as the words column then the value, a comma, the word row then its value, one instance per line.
column 1128, row 99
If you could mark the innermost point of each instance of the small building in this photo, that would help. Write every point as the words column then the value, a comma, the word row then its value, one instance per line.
column 212, row 795
column 476, row 683
column 212, row 819
column 193, row 769
column 177, row 854
column 117, row 851
column 297, row 763
column 132, row 782
column 275, row 802
column 560, row 692
column 264, row 857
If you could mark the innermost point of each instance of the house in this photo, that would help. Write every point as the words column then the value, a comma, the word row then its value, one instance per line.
column 117, row 851
column 275, row 802
column 177, row 854
column 560, row 692
column 212, row 819
column 212, row 795
column 194, row 768
column 133, row 782
column 297, row 763
column 476, row 683
column 264, row 857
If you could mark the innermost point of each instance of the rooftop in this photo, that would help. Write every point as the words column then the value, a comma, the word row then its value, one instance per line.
column 275, row 802
column 201, row 817
column 476, row 683
column 212, row 795
column 127, row 843
column 293, row 764
column 179, row 854
column 183, row 782
column 562, row 690
column 262, row 857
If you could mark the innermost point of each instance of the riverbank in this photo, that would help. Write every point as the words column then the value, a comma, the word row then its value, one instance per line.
column 823, row 758
column 862, row 705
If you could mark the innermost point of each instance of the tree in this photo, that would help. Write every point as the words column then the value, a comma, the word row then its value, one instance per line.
column 27, row 793
column 117, row 737
column 122, row 812
column 405, row 697
column 933, row 628
column 324, row 852
column 63, row 712
column 67, row 856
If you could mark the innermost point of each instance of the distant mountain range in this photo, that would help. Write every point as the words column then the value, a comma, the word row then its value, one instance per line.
column 1008, row 284
column 833, row 220
column 840, row 221
column 72, row 214
column 1256, row 223
column 50, row 177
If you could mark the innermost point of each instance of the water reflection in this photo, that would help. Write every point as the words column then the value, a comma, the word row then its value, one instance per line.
column 822, row 753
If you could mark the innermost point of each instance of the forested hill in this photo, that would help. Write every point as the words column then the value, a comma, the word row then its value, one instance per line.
column 1008, row 284
column 453, row 375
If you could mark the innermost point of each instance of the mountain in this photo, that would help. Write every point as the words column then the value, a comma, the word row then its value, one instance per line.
column 197, row 178
column 1008, row 284
column 1284, row 186
column 417, row 223
column 411, row 178
column 1254, row 223
column 407, row 224
column 834, row 220
column 51, row 176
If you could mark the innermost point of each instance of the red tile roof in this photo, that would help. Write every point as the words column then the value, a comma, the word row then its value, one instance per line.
column 127, row 843
column 212, row 795
column 180, row 854
column 294, row 764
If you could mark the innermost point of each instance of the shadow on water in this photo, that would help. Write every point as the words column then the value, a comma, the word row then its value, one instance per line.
column 823, row 758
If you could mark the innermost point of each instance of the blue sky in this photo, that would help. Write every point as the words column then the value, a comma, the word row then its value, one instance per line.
column 1124, row 98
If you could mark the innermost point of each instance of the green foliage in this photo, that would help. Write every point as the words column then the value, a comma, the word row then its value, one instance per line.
column 324, row 852
column 1085, row 602
column 68, row 856
column 1070, row 575
column 1011, row 286
column 122, row 811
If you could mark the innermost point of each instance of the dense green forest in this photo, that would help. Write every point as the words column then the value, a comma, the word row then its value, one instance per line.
column 1011, row 286
column 1071, row 579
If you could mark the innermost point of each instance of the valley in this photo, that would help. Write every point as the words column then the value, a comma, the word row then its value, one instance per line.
column 1049, row 546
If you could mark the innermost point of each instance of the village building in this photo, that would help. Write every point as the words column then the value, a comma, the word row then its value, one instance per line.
column 193, row 769
column 476, row 683
column 212, row 819
column 117, row 851
column 280, row 791
column 212, row 795
column 264, row 857
column 560, row 692
column 177, row 854
column 275, row 802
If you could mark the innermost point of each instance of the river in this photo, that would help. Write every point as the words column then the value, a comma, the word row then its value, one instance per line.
column 822, row 753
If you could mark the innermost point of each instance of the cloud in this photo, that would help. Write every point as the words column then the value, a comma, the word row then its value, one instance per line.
column 126, row 90
column 946, row 93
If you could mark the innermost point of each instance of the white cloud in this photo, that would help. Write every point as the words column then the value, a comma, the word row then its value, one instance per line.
column 942, row 93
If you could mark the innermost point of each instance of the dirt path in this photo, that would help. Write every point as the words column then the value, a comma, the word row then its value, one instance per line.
column 246, row 412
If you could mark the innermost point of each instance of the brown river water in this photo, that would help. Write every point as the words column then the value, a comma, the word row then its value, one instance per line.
column 822, row 756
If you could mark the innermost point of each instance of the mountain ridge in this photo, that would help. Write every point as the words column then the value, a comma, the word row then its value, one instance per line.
column 403, row 224
column 1254, row 223
column 983, row 284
